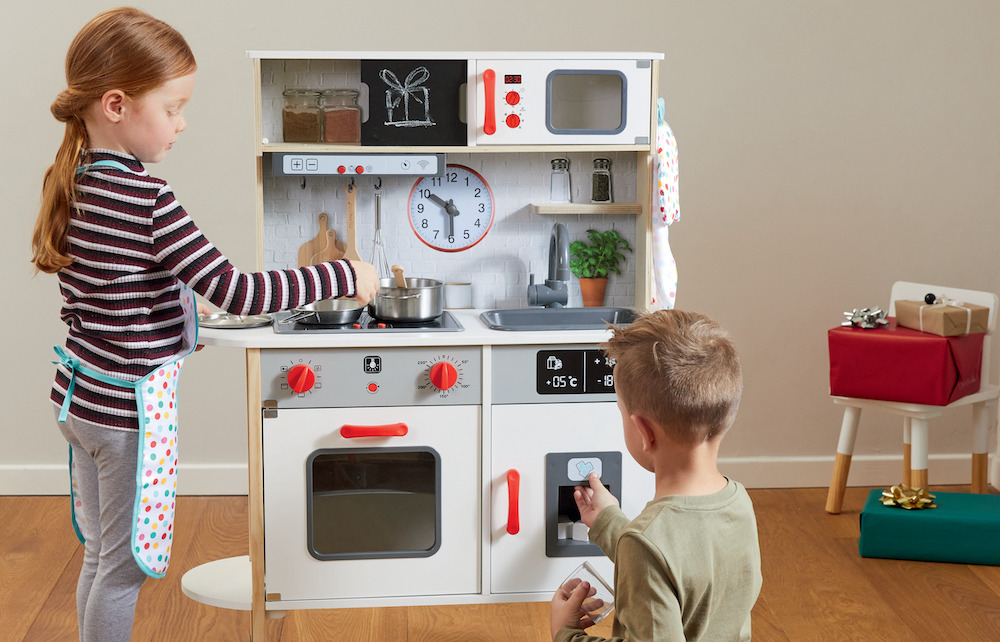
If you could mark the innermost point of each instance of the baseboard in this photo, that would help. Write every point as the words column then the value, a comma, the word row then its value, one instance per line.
column 752, row 472
column 193, row 479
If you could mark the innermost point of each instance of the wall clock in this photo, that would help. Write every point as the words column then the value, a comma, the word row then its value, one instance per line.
column 453, row 212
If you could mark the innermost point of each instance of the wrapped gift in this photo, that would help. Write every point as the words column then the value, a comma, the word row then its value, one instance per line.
column 900, row 364
column 963, row 529
column 947, row 319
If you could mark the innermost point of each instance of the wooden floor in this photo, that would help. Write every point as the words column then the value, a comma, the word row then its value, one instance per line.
column 816, row 587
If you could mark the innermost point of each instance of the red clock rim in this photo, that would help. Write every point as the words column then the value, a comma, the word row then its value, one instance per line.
column 489, row 226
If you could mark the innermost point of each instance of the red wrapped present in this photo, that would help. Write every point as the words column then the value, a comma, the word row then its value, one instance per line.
column 899, row 364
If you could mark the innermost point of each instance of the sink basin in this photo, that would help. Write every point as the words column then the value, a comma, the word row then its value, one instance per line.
column 550, row 319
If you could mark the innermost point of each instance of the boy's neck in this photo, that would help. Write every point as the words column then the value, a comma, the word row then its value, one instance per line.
column 683, row 469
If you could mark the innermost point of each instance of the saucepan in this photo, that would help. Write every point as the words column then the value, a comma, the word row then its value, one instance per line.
column 406, row 299
column 326, row 312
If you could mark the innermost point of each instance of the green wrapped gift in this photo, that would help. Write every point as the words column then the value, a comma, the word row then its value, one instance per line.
column 963, row 529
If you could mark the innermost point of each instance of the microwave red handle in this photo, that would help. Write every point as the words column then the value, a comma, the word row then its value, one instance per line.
column 513, row 492
column 489, row 84
column 388, row 430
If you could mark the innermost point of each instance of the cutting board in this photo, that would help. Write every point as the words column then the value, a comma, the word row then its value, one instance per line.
column 323, row 247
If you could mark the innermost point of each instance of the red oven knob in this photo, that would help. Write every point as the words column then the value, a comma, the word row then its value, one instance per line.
column 443, row 375
column 513, row 120
column 301, row 378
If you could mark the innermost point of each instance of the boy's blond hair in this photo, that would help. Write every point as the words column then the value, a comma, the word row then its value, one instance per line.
column 679, row 369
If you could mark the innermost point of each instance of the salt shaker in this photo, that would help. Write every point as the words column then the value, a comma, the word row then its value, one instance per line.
column 601, row 187
column 559, row 191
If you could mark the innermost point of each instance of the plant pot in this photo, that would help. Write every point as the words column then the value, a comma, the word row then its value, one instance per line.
column 592, row 291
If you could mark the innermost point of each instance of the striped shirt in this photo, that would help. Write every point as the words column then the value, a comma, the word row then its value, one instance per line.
column 132, row 246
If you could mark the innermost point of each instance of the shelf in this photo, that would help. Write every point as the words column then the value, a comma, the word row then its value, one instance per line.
column 224, row 583
column 585, row 208
column 320, row 148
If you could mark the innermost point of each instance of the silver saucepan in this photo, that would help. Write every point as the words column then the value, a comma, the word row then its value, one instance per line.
column 420, row 300
column 327, row 312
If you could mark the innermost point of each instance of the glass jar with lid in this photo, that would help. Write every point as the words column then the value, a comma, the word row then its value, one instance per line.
column 301, row 118
column 341, row 116
column 601, row 186
column 559, row 189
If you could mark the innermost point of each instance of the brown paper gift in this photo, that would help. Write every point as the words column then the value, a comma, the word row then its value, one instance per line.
column 949, row 319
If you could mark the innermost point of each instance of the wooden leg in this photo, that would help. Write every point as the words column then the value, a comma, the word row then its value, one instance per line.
column 255, row 461
column 907, row 451
column 842, row 463
column 918, row 477
column 838, row 484
column 979, row 463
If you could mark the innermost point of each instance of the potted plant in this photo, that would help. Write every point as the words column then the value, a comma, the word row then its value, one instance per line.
column 590, row 261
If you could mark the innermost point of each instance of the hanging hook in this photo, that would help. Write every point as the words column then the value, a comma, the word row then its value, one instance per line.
column 378, row 183
column 302, row 185
column 352, row 181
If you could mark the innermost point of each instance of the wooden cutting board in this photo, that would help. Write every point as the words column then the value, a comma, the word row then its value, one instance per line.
column 314, row 246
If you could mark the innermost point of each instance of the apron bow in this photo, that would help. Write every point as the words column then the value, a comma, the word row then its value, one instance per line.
column 71, row 363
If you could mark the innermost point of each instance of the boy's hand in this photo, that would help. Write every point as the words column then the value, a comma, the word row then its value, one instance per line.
column 592, row 499
column 567, row 606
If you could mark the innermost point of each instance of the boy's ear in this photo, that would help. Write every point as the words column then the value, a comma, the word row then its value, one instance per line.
column 112, row 104
column 646, row 432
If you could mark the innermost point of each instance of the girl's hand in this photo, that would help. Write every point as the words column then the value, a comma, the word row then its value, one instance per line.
column 366, row 281
column 592, row 499
column 567, row 606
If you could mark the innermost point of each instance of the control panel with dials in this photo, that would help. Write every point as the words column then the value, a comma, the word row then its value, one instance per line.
column 357, row 377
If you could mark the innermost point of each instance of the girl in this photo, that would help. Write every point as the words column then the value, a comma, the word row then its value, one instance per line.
column 125, row 252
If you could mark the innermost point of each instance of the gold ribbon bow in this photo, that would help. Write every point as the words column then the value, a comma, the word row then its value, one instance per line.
column 909, row 498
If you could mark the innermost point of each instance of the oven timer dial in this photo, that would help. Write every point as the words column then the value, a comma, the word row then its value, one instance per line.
column 301, row 378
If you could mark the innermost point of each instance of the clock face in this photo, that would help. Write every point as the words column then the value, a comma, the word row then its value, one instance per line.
column 453, row 212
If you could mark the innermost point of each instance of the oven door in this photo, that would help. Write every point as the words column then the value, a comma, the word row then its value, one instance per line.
column 371, row 502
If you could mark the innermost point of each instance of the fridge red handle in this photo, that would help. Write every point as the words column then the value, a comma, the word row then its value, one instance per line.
column 388, row 430
column 489, row 86
column 513, row 491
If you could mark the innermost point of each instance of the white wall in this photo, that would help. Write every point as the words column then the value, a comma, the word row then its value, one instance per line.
column 826, row 150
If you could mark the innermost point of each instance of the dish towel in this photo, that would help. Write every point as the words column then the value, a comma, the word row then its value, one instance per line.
column 666, row 210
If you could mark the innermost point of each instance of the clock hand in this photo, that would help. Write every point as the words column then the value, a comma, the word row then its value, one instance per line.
column 450, row 210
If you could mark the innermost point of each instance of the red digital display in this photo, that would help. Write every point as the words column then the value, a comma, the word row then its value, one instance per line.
column 512, row 79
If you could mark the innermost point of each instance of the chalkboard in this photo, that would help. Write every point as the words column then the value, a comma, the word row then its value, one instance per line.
column 414, row 102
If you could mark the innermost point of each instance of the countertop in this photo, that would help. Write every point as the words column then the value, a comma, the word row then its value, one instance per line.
column 475, row 333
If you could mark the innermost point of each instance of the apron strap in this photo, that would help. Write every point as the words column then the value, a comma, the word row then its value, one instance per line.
column 106, row 163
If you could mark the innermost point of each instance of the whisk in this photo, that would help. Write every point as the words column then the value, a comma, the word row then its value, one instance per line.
column 378, row 250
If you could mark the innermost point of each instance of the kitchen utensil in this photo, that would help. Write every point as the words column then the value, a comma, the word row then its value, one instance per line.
column 314, row 246
column 334, row 248
column 378, row 251
column 233, row 321
column 419, row 301
column 326, row 312
column 397, row 273
column 351, row 253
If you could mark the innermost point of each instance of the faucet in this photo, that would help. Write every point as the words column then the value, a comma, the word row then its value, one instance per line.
column 555, row 292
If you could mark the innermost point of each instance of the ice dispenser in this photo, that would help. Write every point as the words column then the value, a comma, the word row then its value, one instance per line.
column 565, row 534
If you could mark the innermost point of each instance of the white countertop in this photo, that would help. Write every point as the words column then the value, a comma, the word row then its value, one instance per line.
column 474, row 333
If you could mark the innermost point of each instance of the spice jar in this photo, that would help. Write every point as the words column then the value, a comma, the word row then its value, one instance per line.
column 301, row 117
column 341, row 116
column 559, row 190
column 601, row 187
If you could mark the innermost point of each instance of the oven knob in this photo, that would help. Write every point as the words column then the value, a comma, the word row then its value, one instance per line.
column 301, row 378
column 513, row 120
column 443, row 375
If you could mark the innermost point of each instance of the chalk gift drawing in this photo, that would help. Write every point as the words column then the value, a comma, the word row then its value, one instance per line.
column 401, row 92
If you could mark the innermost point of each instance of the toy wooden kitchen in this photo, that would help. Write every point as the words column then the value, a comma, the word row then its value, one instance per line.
column 426, row 463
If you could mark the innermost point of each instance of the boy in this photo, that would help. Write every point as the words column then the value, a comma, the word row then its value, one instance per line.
column 688, row 567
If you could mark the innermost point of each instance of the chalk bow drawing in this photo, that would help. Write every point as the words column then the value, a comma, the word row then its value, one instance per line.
column 402, row 92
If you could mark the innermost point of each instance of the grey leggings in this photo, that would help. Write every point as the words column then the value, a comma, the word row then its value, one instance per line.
column 105, row 467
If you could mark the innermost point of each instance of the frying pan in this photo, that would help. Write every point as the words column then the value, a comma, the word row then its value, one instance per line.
column 327, row 312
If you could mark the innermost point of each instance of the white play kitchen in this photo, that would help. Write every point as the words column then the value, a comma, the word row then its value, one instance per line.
column 424, row 450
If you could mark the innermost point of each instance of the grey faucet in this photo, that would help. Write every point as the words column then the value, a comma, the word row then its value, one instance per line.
column 555, row 292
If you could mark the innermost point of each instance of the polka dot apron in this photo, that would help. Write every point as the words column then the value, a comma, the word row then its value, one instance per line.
column 156, row 470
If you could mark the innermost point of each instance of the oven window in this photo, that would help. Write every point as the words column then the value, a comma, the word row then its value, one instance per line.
column 585, row 102
column 374, row 503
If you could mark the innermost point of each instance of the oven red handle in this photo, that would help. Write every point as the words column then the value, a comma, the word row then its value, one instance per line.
column 388, row 430
column 513, row 492
column 489, row 89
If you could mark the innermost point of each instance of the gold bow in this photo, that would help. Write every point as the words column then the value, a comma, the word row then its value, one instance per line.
column 909, row 498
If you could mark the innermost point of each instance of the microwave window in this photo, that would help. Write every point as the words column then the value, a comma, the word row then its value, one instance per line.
column 586, row 102
column 374, row 503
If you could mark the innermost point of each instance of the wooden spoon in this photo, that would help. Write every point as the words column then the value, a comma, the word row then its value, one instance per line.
column 397, row 271
column 351, row 253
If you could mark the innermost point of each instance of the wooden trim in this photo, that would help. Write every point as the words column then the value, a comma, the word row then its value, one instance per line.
column 838, row 483
column 918, row 478
column 255, row 465
column 323, row 148
column 980, row 464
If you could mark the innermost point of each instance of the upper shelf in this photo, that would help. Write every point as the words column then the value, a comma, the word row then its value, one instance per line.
column 322, row 148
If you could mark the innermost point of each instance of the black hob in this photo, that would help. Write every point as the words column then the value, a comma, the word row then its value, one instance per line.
column 366, row 323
